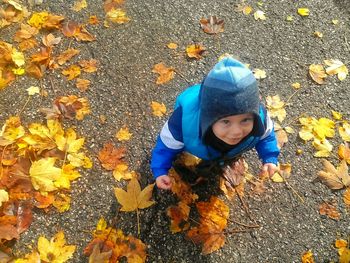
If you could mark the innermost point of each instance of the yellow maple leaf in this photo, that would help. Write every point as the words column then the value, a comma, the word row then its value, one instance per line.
column 79, row 160
column 284, row 171
column 276, row 107
column 12, row 129
column 118, row 16
column 159, row 109
column 324, row 127
column 68, row 174
column 259, row 73
column 323, row 147
column 32, row 90
column 259, row 15
column 344, row 255
column 4, row 196
column 123, row 134
column 62, row 202
column 303, row 11
column 17, row 58
column 121, row 172
column 18, row 71
column 38, row 19
column 69, row 143
column 344, row 131
column 29, row 258
column 337, row 115
column 320, row 128
column 43, row 174
column 317, row 73
column 335, row 178
column 72, row 72
column 307, row 257
column 195, row 51
column 55, row 250
column 335, row 66
column 79, row 5
column 134, row 198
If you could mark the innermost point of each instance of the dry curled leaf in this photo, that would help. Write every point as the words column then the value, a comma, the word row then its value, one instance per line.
column 212, row 25
column 335, row 178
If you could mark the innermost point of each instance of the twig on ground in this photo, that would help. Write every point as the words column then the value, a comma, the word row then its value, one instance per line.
column 242, row 224
column 182, row 76
column 293, row 190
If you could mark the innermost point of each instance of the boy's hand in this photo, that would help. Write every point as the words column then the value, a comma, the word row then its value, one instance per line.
column 269, row 168
column 163, row 182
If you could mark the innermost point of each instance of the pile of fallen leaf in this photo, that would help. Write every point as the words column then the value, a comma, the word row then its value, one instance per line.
column 39, row 161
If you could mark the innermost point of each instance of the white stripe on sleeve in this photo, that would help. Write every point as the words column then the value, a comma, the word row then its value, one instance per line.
column 269, row 126
column 168, row 139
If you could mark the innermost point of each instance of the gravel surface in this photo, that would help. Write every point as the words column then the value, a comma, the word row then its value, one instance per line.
column 124, row 86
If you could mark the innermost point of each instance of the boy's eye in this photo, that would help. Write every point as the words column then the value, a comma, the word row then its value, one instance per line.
column 247, row 120
column 225, row 121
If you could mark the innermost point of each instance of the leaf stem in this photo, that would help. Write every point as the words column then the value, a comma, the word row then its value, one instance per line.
column 138, row 222
column 25, row 104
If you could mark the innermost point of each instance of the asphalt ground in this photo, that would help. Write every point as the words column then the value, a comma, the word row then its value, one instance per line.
column 124, row 86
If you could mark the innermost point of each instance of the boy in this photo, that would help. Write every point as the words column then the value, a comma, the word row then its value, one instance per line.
column 217, row 120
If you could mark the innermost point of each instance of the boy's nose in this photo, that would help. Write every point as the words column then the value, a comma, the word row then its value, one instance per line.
column 236, row 132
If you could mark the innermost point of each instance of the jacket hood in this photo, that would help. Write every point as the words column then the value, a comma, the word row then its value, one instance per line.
column 230, row 88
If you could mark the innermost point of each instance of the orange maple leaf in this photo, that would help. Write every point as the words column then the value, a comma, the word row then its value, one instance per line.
column 179, row 217
column 165, row 74
column 329, row 209
column 213, row 221
column 195, row 51
column 110, row 156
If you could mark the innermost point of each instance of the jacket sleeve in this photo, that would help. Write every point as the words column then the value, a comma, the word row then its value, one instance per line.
column 169, row 144
column 267, row 148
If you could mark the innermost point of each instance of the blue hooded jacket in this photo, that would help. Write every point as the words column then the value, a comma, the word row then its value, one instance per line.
column 229, row 89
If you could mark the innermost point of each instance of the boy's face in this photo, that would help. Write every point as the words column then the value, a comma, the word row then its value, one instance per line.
column 232, row 129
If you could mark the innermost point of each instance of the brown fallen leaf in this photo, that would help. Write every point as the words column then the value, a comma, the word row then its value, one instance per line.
column 99, row 257
column 335, row 178
column 212, row 25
